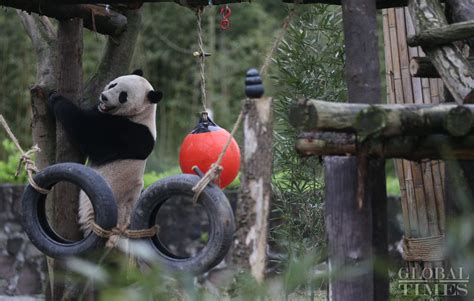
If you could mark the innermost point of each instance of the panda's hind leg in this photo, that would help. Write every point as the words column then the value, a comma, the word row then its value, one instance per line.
column 86, row 214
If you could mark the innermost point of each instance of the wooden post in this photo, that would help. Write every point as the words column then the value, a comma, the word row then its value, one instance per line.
column 254, row 204
column 66, row 196
column 352, row 241
column 421, row 183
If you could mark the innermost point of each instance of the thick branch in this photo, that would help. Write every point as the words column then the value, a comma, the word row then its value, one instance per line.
column 382, row 120
column 380, row 3
column 95, row 18
column 116, row 57
column 456, row 72
column 407, row 147
column 443, row 35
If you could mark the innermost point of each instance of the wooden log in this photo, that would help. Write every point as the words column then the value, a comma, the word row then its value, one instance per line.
column 422, row 67
column 380, row 3
column 455, row 71
column 94, row 17
column 382, row 120
column 407, row 147
column 442, row 35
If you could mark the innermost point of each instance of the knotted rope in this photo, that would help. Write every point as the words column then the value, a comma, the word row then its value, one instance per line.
column 119, row 231
column 25, row 158
column 423, row 249
column 214, row 172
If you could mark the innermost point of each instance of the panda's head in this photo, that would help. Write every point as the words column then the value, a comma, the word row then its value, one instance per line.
column 128, row 96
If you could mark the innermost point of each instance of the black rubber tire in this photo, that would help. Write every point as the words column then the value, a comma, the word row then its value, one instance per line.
column 34, row 218
column 217, row 207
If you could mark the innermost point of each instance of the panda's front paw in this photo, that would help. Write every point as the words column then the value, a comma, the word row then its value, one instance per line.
column 53, row 98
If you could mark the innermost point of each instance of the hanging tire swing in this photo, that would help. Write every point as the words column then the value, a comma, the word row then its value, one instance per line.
column 217, row 207
column 34, row 217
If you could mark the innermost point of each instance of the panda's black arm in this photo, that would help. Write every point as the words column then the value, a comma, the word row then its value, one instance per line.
column 76, row 122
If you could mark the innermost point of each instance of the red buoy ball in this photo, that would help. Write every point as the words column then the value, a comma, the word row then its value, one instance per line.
column 202, row 147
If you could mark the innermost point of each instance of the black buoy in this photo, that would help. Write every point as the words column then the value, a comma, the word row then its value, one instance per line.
column 253, row 84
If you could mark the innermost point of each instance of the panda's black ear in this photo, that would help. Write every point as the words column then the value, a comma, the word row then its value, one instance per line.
column 155, row 96
column 138, row 72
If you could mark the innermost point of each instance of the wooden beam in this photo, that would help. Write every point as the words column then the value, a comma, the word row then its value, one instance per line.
column 406, row 147
column 94, row 17
column 443, row 35
column 136, row 4
column 456, row 73
column 422, row 67
column 383, row 120
column 380, row 3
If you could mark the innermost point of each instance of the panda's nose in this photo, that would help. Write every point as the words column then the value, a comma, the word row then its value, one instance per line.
column 103, row 97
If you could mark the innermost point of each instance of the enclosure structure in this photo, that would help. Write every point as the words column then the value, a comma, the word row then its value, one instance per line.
column 356, row 214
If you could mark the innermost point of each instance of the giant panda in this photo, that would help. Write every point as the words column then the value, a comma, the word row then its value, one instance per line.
column 117, row 136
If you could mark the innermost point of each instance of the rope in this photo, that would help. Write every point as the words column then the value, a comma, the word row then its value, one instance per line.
column 202, row 56
column 423, row 249
column 284, row 27
column 121, row 231
column 25, row 158
column 214, row 172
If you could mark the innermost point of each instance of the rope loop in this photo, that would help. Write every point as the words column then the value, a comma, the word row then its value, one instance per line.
column 121, row 231
column 424, row 248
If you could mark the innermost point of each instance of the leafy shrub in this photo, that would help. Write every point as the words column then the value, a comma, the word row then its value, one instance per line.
column 9, row 167
column 310, row 62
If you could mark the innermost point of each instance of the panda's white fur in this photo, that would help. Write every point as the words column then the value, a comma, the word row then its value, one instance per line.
column 125, row 177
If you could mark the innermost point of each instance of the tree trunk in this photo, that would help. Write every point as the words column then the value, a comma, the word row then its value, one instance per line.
column 44, row 40
column 66, row 195
column 250, row 244
column 350, row 222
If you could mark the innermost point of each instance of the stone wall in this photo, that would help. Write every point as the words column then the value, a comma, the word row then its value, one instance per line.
column 22, row 266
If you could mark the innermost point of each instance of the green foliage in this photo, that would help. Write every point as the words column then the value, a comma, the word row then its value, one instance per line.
column 116, row 279
column 9, row 167
column 310, row 64
column 17, row 73
column 152, row 176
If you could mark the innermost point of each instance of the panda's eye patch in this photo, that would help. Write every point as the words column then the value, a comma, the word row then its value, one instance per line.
column 111, row 86
column 123, row 97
